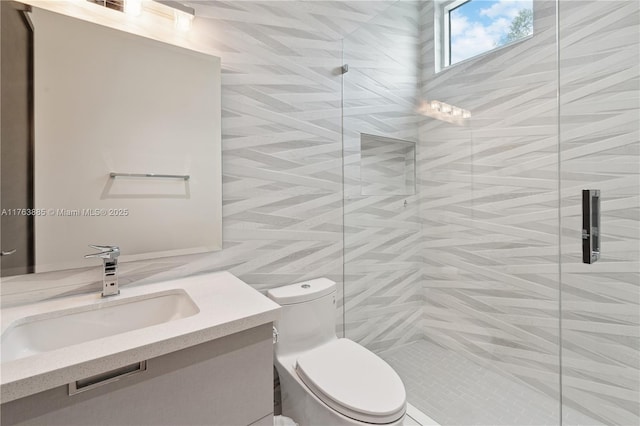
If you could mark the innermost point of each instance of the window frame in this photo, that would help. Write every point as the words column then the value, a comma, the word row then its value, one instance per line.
column 442, row 34
column 446, row 10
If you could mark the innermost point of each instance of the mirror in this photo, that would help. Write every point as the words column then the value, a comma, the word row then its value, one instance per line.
column 117, row 142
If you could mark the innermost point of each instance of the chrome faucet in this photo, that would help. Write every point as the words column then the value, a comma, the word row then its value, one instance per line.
column 109, row 256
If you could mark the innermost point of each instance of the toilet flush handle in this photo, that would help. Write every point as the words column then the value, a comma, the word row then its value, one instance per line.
column 275, row 335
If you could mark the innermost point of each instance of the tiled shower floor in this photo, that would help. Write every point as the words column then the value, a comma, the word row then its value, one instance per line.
column 453, row 390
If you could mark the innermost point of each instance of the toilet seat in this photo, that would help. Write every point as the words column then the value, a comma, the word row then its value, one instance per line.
column 353, row 381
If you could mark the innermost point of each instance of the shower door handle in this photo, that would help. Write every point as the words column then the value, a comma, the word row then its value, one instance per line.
column 591, row 233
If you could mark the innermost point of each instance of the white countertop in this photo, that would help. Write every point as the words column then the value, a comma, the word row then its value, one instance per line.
column 227, row 305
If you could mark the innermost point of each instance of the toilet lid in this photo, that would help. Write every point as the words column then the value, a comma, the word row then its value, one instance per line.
column 353, row 381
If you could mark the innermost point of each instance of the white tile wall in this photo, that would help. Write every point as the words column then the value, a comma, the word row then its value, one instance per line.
column 282, row 167
column 489, row 205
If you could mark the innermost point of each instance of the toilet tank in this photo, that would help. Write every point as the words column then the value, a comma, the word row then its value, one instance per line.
column 308, row 315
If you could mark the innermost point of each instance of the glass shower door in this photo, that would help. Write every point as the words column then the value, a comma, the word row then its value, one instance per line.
column 473, row 287
column 489, row 206
column 600, row 150
column 382, row 237
column 458, row 288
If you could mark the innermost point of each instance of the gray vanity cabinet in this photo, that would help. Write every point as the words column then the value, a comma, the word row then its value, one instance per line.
column 226, row 382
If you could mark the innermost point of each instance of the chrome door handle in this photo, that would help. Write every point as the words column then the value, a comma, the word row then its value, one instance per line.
column 8, row 253
column 591, row 232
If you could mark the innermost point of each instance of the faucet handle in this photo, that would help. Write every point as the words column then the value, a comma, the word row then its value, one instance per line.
column 106, row 252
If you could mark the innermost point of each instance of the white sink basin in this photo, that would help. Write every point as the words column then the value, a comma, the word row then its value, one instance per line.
column 55, row 342
column 58, row 329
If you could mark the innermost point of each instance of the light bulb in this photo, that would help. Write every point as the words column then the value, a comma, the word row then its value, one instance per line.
column 133, row 7
column 182, row 21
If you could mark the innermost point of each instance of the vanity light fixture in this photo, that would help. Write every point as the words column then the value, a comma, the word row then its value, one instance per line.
column 182, row 15
column 182, row 21
column 444, row 112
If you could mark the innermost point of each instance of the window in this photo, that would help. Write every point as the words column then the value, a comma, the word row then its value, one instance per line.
column 469, row 28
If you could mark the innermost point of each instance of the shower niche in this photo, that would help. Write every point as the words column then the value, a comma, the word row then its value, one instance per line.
column 387, row 166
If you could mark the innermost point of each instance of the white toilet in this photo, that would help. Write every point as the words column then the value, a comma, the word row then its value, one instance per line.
column 326, row 381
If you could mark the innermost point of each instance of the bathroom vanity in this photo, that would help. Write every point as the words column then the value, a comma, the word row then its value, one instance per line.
column 192, row 351
column 128, row 117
